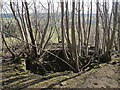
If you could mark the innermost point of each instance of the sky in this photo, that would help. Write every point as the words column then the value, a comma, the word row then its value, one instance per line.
column 44, row 3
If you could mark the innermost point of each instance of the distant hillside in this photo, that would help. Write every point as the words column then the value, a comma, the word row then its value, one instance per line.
column 10, row 15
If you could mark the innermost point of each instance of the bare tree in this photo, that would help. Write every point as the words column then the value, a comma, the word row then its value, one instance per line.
column 97, row 29
column 115, row 15
column 118, row 28
column 80, row 37
column 34, row 51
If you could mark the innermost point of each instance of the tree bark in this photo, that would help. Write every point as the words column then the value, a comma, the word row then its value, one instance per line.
column 34, row 51
column 74, row 51
column 97, row 30
column 115, row 13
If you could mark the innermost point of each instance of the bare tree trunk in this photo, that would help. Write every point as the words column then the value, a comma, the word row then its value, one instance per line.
column 97, row 30
column 106, row 26
column 13, row 55
column 62, row 24
column 89, row 28
column 19, row 26
column 119, row 27
column 74, row 48
column 73, row 32
column 24, row 27
column 63, row 32
column 80, row 38
column 34, row 51
column 67, row 29
column 119, row 30
column 45, row 29
column 115, row 12
column 83, row 28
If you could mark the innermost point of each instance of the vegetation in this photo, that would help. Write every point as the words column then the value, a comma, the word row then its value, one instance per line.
column 71, row 36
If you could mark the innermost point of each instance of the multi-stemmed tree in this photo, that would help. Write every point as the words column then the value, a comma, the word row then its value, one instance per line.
column 76, row 29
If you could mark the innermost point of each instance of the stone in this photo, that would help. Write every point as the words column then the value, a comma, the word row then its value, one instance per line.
column 63, row 83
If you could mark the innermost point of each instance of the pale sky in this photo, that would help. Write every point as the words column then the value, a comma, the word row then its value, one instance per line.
column 44, row 3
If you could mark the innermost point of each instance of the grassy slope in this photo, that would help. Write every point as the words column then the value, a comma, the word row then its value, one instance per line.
column 105, row 76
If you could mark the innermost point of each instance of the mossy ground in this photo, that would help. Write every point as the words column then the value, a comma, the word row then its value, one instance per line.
column 106, row 76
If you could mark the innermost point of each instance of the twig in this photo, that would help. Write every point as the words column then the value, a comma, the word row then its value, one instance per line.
column 88, row 62
column 42, row 49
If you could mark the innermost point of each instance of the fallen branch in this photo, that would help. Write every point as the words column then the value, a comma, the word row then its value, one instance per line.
column 42, row 49
column 87, row 63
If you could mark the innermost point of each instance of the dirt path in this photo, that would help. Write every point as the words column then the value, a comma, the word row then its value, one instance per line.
column 107, row 76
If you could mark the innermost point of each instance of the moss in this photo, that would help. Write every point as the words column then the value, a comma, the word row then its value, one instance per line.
column 95, row 67
column 92, row 66
column 21, row 63
column 14, row 40
column 101, row 65
column 93, row 70
column 83, row 59
column 86, row 69
column 48, row 82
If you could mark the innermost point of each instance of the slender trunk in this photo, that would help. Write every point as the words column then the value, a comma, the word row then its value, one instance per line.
column 45, row 29
column 36, row 21
column 89, row 28
column 13, row 55
column 97, row 30
column 19, row 26
column 115, row 12
column 74, row 51
column 83, row 25
column 24, row 27
column 62, row 24
column 79, row 32
column 34, row 51
column 119, row 32
column 67, row 25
